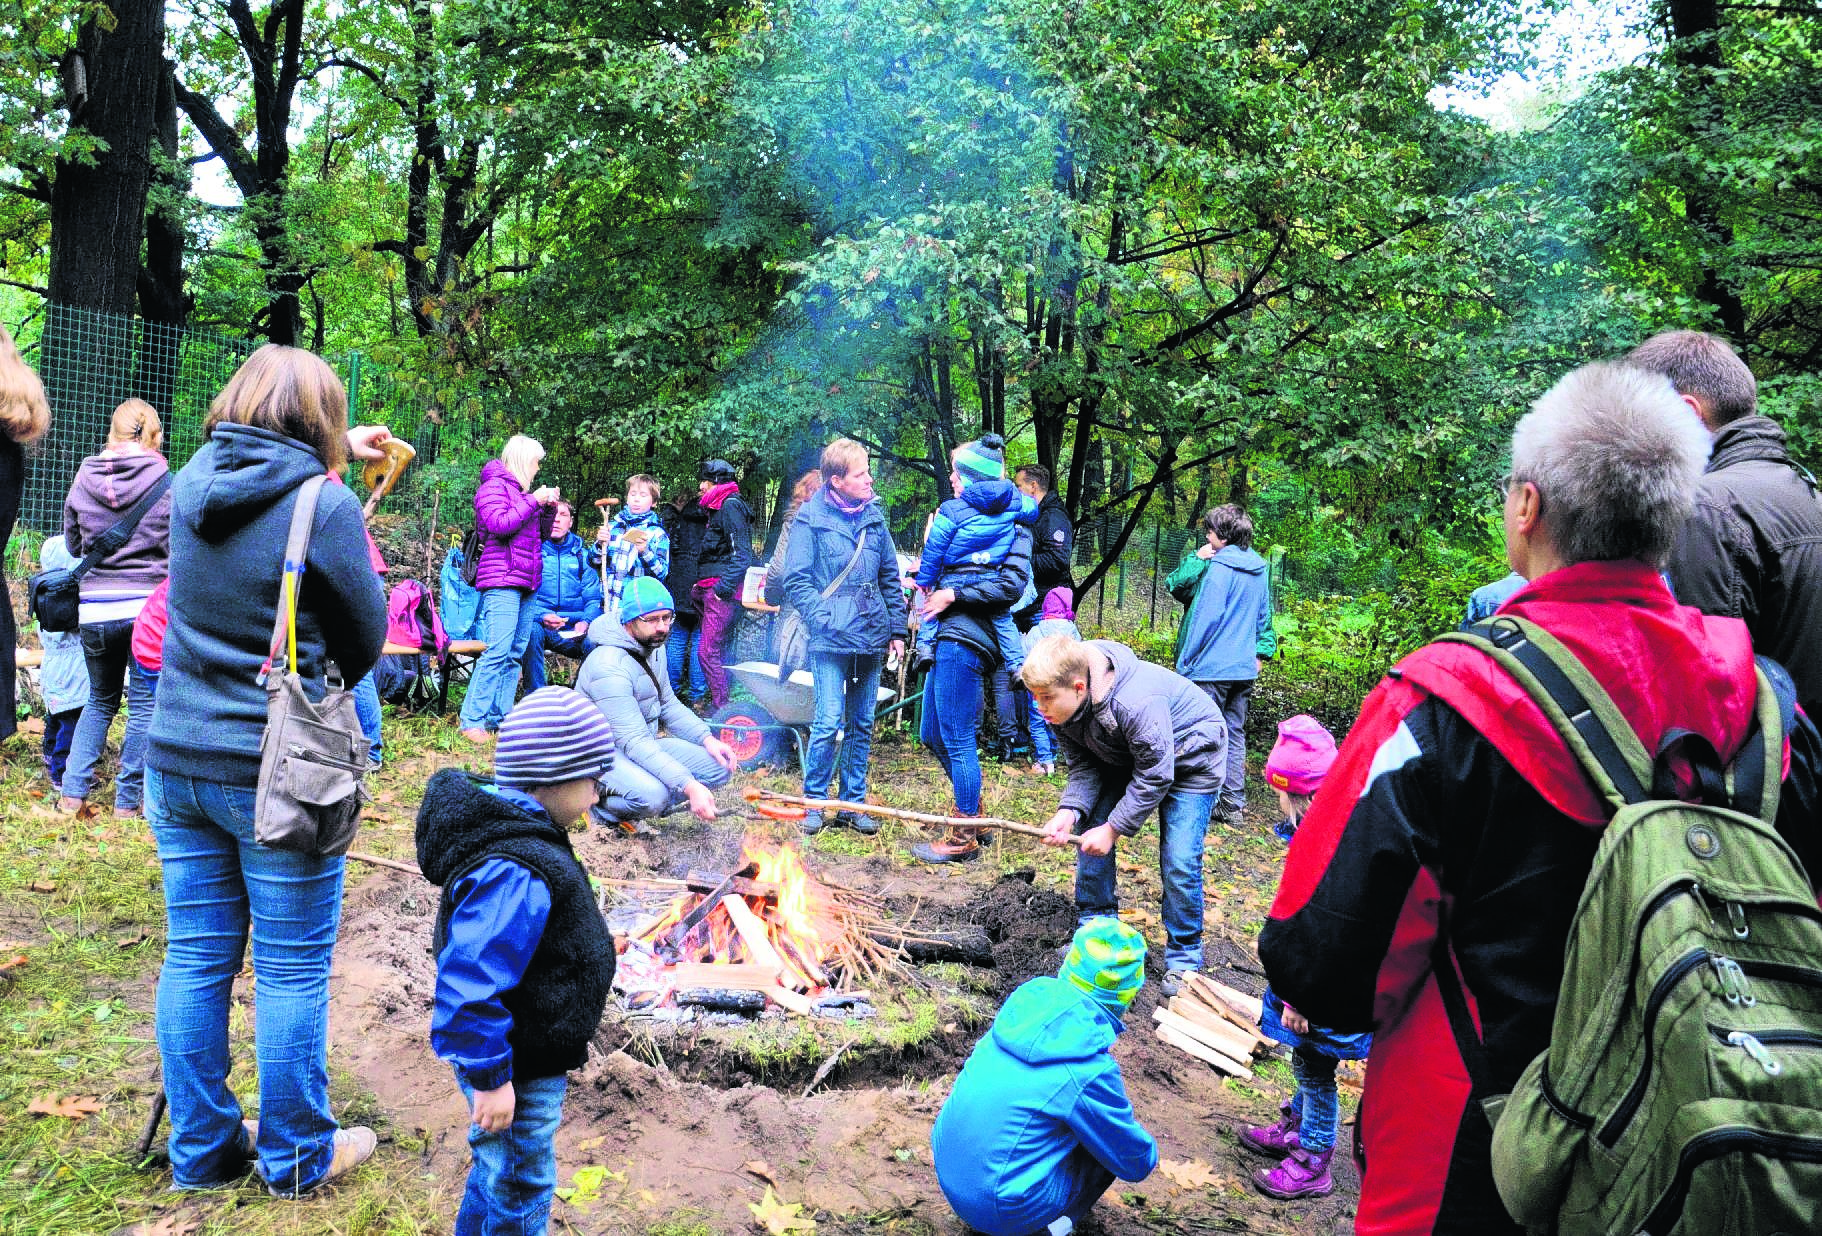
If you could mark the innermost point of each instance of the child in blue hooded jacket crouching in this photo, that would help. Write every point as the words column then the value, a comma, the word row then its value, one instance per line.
column 1038, row 1125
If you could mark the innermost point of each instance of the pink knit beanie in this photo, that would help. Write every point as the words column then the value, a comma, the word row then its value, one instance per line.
column 1301, row 757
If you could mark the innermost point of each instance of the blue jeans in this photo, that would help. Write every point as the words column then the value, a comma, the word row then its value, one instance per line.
column 513, row 1173
column 1231, row 698
column 542, row 640
column 1315, row 1099
column 680, row 656
column 1043, row 745
column 952, row 720
column 367, row 708
column 847, row 690
column 1183, row 822
column 505, row 622
column 219, row 884
column 59, row 731
column 108, row 649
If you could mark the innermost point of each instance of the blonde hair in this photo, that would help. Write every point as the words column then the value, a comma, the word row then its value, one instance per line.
column 24, row 412
column 649, row 483
column 841, row 457
column 521, row 455
column 291, row 392
column 1056, row 661
column 136, row 421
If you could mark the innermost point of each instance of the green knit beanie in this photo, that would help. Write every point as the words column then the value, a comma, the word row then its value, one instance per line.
column 1106, row 960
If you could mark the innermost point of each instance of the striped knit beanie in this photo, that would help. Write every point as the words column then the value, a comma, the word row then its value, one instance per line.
column 978, row 461
column 550, row 736
column 1106, row 960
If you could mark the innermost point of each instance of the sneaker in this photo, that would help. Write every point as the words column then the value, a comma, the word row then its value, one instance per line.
column 1304, row 1173
column 865, row 825
column 1276, row 1140
column 1173, row 981
column 815, row 821
column 353, row 1147
column 1044, row 768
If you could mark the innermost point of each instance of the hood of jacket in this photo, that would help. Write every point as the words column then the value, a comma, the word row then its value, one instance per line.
column 992, row 497
column 1749, row 438
column 567, row 545
column 116, row 481
column 1047, row 1021
column 608, row 631
column 1243, row 560
column 459, row 818
column 244, row 470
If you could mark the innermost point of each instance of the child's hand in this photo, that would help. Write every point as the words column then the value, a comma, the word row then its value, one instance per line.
column 1294, row 1021
column 1058, row 827
column 493, row 1108
column 1098, row 841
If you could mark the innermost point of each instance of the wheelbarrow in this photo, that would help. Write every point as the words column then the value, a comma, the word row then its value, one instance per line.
column 779, row 712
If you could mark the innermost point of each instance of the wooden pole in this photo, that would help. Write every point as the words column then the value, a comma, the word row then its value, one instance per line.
column 389, row 864
column 755, row 794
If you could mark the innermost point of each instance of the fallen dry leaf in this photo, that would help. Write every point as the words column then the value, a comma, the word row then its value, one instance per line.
column 13, row 962
column 759, row 1168
column 138, row 937
column 1190, row 1173
column 75, row 1107
column 588, row 1144
column 780, row 1218
column 42, row 886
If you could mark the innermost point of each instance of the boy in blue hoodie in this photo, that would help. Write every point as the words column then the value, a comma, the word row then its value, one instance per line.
column 1038, row 1125
column 1227, row 636
column 524, row 959
column 971, row 534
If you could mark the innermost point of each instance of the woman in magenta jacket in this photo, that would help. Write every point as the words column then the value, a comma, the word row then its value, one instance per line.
column 513, row 519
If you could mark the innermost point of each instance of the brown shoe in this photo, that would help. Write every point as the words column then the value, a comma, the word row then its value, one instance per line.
column 957, row 845
column 353, row 1147
column 478, row 737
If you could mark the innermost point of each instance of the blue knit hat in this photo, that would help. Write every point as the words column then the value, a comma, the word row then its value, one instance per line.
column 643, row 595
column 1107, row 961
column 552, row 735
column 981, row 461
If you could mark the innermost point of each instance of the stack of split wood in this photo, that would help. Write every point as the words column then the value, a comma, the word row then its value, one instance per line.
column 1215, row 1024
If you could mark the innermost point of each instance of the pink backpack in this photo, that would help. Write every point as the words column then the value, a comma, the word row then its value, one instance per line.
column 408, row 614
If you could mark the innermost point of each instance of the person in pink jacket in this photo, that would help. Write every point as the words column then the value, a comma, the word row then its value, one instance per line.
column 513, row 519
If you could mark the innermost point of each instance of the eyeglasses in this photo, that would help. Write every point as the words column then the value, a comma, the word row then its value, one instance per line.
column 1502, row 487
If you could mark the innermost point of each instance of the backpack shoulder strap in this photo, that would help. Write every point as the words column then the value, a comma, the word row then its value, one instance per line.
column 1597, row 734
column 1755, row 778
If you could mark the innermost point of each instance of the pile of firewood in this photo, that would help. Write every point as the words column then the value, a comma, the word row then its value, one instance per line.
column 1214, row 1023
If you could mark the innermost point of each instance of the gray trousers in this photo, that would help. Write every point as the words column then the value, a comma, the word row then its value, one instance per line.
column 1231, row 698
column 631, row 793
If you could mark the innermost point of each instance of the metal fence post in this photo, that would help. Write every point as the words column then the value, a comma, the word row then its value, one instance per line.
column 354, row 388
column 1157, row 564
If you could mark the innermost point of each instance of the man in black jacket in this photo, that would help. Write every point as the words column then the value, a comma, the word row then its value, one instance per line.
column 1752, row 549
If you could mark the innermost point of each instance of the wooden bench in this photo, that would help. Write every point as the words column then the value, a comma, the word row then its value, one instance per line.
column 459, row 658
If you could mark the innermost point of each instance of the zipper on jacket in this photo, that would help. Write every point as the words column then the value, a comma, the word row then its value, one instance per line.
column 1712, row 1145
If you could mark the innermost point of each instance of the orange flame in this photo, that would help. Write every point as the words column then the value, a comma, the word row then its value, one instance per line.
column 801, row 904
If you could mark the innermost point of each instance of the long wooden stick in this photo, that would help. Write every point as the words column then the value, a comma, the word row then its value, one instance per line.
column 390, row 864
column 898, row 813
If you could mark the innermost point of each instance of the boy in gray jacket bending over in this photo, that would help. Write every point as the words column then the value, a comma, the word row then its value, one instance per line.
column 1138, row 737
column 627, row 679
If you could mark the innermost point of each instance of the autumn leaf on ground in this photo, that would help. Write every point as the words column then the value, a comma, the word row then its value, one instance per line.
column 75, row 1107
column 584, row 1186
column 138, row 937
column 1190, row 1174
column 13, row 962
column 759, row 1168
column 780, row 1218
column 42, row 886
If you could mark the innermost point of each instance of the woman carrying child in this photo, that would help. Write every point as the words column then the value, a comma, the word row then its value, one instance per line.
column 1305, row 1132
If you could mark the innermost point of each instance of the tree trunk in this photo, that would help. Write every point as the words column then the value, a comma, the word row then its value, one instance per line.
column 162, row 302
column 1695, row 29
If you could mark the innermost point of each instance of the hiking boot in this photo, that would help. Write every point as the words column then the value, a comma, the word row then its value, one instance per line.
column 814, row 822
column 1273, row 1139
column 957, row 845
column 353, row 1147
column 1173, row 981
column 865, row 825
column 1304, row 1173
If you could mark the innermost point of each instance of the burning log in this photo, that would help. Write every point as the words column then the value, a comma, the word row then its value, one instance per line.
column 739, row 976
column 758, row 943
column 968, row 945
column 752, row 890
column 723, row 999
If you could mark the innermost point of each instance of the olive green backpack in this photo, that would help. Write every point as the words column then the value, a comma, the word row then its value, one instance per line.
column 1682, row 1088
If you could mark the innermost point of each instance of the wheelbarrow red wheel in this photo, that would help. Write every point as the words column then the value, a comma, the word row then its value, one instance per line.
column 751, row 731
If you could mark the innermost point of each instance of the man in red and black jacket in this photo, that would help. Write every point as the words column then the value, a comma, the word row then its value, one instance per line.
column 1457, row 830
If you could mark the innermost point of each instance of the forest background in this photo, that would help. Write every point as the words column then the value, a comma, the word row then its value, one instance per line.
column 1178, row 252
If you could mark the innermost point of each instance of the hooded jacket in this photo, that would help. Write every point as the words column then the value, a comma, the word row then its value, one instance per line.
column 1156, row 730
column 1752, row 550
column 867, row 612
column 512, row 525
column 1052, row 546
column 1039, row 1087
column 230, row 515
column 557, row 1003
column 63, row 679
column 569, row 588
column 1229, row 621
column 980, row 596
column 632, row 688
column 974, row 530
column 687, row 529
column 106, row 487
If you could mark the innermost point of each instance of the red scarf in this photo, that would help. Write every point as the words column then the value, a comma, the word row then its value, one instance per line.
column 717, row 494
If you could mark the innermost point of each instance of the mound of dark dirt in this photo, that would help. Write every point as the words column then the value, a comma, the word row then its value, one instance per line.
column 1028, row 926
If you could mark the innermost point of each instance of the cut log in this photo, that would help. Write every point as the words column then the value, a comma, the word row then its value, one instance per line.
column 744, row 976
column 724, row 999
column 707, row 881
column 968, row 945
column 1202, row 1015
column 1224, row 1039
column 1206, row 1000
column 758, row 941
column 1208, row 1055
column 785, row 998
column 1249, row 1007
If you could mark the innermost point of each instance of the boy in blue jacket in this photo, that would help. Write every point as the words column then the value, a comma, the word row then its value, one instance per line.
column 524, row 958
column 971, row 534
column 1038, row 1125
column 567, row 600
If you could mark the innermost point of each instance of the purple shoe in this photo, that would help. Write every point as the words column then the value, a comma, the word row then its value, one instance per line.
column 1276, row 1140
column 1302, row 1174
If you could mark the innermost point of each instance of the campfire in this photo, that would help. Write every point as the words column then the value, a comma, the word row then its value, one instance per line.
column 768, row 933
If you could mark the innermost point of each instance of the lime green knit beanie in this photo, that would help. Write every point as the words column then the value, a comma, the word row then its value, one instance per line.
column 1106, row 960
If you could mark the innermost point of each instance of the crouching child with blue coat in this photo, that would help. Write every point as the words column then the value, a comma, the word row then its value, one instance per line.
column 524, row 958
column 1038, row 1125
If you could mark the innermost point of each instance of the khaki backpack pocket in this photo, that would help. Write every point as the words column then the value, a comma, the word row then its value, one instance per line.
column 1535, row 1142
